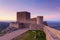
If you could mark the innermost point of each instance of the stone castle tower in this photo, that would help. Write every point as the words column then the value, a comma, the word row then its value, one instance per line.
column 23, row 17
column 40, row 20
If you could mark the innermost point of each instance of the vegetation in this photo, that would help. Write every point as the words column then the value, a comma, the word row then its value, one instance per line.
column 40, row 35
column 2, row 33
column 32, row 35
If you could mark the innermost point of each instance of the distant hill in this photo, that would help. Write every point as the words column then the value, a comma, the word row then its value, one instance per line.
column 3, row 25
column 54, row 24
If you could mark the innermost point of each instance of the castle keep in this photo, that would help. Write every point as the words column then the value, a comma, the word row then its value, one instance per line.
column 23, row 17
column 24, row 21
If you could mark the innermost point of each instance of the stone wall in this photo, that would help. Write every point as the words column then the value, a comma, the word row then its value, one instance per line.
column 51, row 33
column 33, row 21
column 14, row 24
column 19, row 25
column 35, row 27
column 37, row 23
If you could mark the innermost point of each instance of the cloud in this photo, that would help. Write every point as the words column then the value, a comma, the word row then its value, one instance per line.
column 51, row 17
column 58, row 8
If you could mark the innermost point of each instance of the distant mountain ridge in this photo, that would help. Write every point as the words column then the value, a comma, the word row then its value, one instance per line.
column 54, row 24
column 3, row 25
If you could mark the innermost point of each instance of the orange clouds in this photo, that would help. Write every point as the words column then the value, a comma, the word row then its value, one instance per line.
column 7, row 18
column 7, row 15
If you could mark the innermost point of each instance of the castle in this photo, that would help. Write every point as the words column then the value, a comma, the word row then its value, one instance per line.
column 24, row 20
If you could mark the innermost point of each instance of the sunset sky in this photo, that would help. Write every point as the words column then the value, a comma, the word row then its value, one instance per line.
column 50, row 9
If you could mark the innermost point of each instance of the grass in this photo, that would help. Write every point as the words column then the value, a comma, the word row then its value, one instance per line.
column 40, row 35
column 32, row 35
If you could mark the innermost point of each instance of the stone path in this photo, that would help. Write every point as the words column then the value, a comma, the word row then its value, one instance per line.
column 13, row 34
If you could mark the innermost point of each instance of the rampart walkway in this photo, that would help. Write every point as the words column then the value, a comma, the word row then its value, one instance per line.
column 51, row 33
column 14, row 34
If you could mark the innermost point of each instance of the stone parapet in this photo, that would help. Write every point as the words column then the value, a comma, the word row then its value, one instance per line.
column 51, row 33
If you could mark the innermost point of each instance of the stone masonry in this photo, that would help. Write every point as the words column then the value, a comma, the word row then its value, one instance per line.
column 32, row 23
